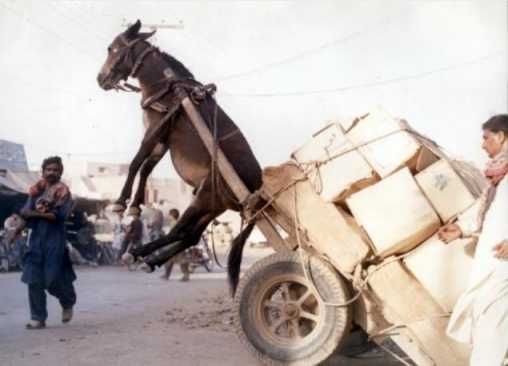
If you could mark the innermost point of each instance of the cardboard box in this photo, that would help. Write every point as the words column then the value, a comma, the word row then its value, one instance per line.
column 325, row 226
column 445, row 190
column 382, row 141
column 443, row 269
column 406, row 302
column 394, row 213
column 469, row 219
column 334, row 168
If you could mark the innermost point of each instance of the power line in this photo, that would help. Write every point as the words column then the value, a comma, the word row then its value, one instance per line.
column 311, row 51
column 47, row 30
column 88, row 28
column 374, row 83
column 78, row 154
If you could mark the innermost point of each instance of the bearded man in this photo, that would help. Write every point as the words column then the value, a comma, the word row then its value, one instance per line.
column 46, row 264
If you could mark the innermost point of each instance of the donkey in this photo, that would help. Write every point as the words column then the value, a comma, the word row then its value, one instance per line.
column 168, row 128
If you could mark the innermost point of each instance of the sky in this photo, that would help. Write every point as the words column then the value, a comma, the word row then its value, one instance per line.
column 283, row 69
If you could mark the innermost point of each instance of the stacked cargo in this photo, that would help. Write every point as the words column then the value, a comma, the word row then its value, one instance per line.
column 399, row 187
column 389, row 190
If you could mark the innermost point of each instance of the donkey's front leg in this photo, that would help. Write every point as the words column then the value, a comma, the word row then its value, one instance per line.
column 146, row 170
column 146, row 148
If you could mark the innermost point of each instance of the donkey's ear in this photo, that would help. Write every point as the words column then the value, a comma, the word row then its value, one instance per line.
column 133, row 30
column 145, row 36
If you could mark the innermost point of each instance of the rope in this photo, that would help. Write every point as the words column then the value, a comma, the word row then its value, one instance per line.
column 394, row 355
column 312, row 166
column 308, row 167
column 360, row 285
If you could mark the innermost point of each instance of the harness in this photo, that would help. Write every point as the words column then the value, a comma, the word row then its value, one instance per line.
column 127, row 58
column 178, row 89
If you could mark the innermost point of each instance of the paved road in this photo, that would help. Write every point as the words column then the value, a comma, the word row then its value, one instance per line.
column 130, row 318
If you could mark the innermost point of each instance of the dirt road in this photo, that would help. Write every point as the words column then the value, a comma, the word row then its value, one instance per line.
column 132, row 318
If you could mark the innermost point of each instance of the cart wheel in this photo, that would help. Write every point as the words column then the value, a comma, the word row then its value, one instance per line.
column 281, row 319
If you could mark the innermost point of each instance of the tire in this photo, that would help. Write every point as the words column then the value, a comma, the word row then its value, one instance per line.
column 280, row 318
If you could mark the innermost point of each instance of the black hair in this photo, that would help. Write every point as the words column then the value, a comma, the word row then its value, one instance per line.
column 175, row 213
column 497, row 123
column 53, row 160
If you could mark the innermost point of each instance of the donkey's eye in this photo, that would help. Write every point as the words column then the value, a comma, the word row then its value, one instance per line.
column 109, row 49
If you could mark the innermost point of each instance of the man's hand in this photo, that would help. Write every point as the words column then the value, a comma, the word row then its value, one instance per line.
column 449, row 232
column 41, row 208
column 501, row 250
column 26, row 214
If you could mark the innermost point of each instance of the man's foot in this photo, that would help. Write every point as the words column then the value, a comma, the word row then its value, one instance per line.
column 67, row 315
column 164, row 277
column 35, row 324
column 185, row 278
column 128, row 258
column 145, row 267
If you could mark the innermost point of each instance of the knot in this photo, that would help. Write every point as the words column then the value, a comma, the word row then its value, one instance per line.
column 250, row 204
column 199, row 93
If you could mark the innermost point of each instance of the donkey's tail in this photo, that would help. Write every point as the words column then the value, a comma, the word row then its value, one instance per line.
column 235, row 257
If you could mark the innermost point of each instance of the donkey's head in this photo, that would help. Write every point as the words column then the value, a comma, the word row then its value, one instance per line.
column 121, row 56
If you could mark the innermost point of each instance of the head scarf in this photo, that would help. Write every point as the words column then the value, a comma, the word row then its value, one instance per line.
column 497, row 167
column 495, row 171
column 55, row 195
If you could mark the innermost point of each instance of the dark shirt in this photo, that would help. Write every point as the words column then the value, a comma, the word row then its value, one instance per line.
column 135, row 231
column 47, row 257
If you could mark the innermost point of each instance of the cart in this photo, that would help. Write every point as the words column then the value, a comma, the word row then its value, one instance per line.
column 297, row 306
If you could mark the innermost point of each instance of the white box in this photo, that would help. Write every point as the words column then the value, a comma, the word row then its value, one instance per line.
column 406, row 301
column 443, row 269
column 329, row 229
column 382, row 141
column 445, row 190
column 341, row 169
column 394, row 213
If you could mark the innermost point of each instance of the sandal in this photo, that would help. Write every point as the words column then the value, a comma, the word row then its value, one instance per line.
column 67, row 315
column 35, row 324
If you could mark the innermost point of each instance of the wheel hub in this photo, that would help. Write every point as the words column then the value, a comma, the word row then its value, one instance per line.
column 291, row 311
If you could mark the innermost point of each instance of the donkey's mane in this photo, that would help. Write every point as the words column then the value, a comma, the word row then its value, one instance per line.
column 176, row 65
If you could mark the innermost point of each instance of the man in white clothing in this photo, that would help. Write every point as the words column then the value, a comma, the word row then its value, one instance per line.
column 480, row 316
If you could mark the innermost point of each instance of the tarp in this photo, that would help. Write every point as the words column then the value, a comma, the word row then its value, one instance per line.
column 18, row 181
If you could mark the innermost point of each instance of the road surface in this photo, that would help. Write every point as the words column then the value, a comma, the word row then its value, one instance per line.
column 131, row 318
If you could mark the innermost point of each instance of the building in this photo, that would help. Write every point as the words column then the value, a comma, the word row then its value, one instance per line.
column 15, row 178
column 12, row 156
column 106, row 180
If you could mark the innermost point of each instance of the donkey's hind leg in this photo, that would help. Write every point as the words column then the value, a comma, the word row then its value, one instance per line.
column 199, row 208
column 191, row 237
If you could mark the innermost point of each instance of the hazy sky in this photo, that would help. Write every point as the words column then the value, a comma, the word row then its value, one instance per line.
column 283, row 68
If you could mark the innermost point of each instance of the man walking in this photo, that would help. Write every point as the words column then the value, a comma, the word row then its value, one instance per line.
column 181, row 258
column 47, row 266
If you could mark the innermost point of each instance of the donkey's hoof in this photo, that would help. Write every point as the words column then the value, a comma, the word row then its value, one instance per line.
column 133, row 210
column 117, row 207
column 145, row 267
column 128, row 258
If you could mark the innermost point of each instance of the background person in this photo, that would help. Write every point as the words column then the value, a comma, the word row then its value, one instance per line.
column 181, row 258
